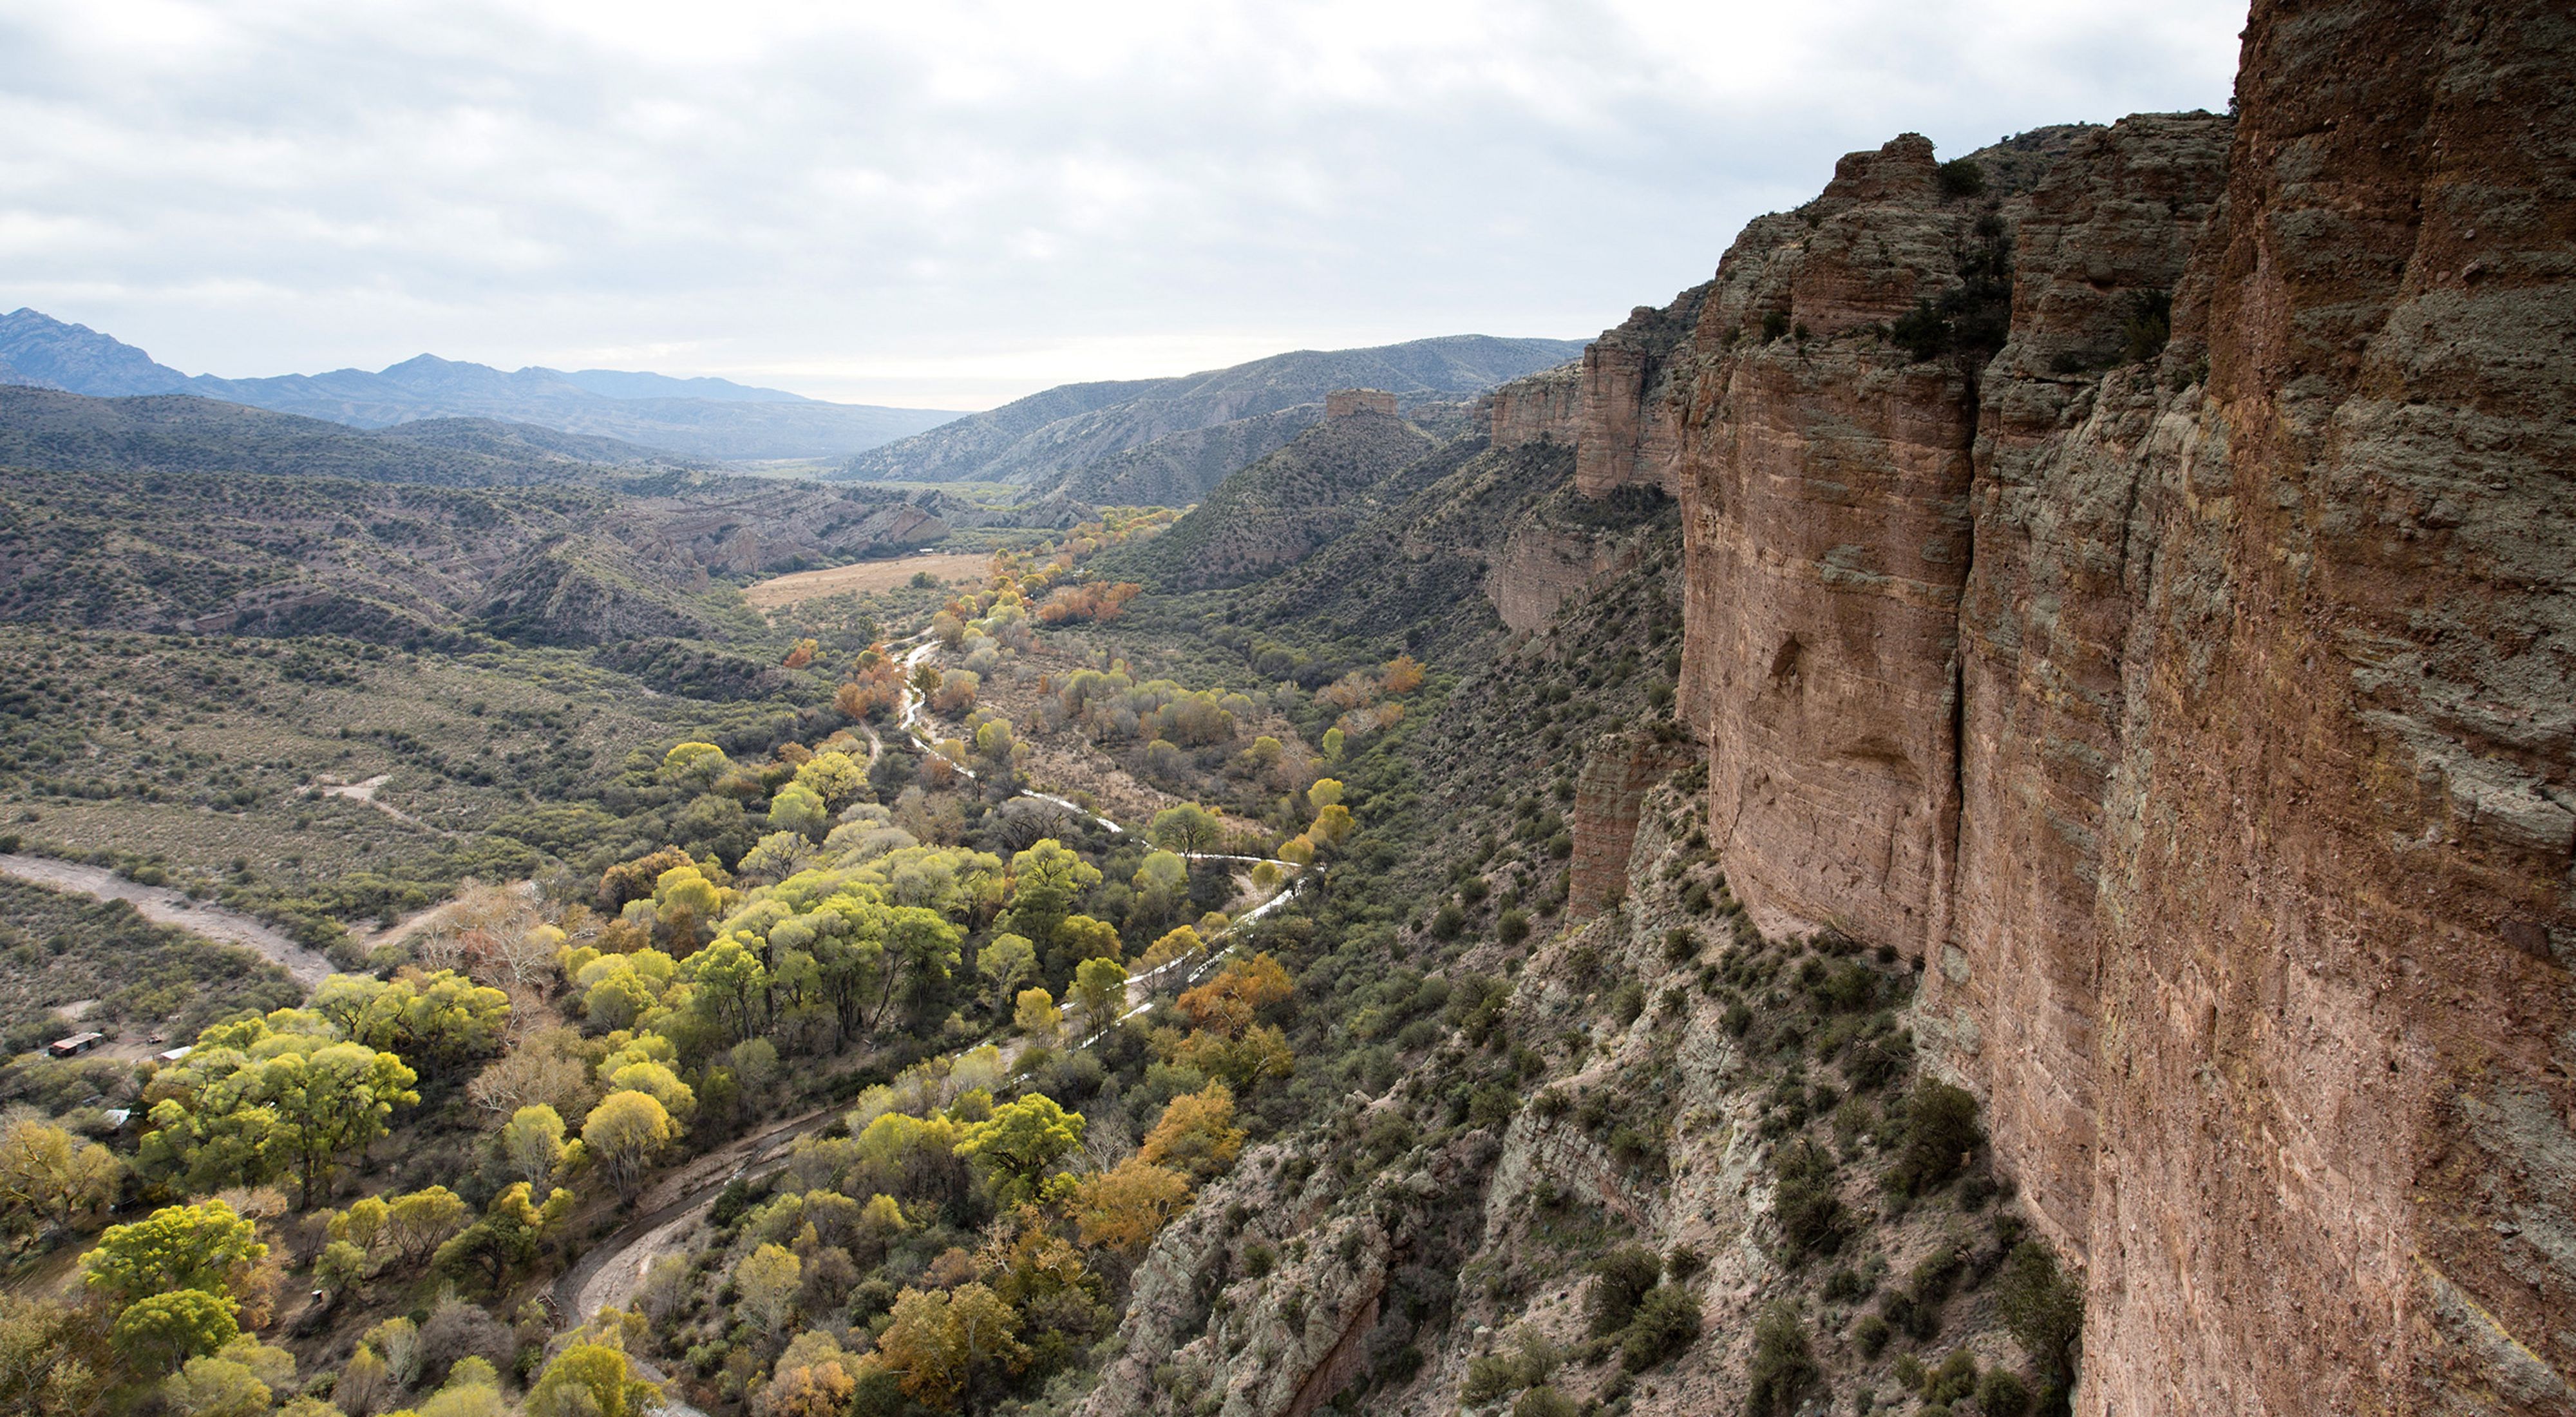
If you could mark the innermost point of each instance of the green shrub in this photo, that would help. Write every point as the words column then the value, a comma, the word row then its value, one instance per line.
column 1775, row 323
column 1489, row 1378
column 1954, row 1379
column 1680, row 945
column 1871, row 1333
column 1621, row 1279
column 1781, row 1370
column 1962, row 177
column 1666, row 1322
column 2044, row 1312
column 1544, row 1401
column 1512, row 926
column 1940, row 1132
column 1627, row 1001
column 2150, row 326
column 2002, row 1394
column 1811, row 1214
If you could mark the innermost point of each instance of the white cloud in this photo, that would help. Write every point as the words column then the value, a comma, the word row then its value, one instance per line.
column 955, row 203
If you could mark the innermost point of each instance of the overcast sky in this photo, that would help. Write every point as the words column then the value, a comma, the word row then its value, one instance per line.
column 952, row 204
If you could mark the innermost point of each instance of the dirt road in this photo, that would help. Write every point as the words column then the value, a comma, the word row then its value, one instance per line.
column 164, row 906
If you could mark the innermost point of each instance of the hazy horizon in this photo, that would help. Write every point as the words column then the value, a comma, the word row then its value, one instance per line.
column 953, row 209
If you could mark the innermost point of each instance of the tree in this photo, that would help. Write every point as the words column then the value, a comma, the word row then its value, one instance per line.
column 798, row 808
column 163, row 1331
column 945, row 1350
column 1332, row 745
column 1196, row 1134
column 533, row 1143
column 473, row 1389
column 1403, row 675
column 507, row 1238
column 1037, row 1016
column 216, row 1387
column 624, row 1133
column 836, row 777
column 48, row 1176
column 45, row 1359
column 254, row 1099
column 1332, row 825
column 331, row 1102
column 693, row 766
column 1078, row 939
column 1188, row 829
column 1006, row 962
column 1100, row 991
column 1124, row 1208
column 766, row 1279
column 2044, row 1312
column 1232, row 1001
column 1179, row 942
column 202, row 1247
column 1021, row 1142
column 417, row 1223
column 731, row 982
column 591, row 1380
column 1326, row 792
column 1261, row 1052
column 813, row 1378
column 1045, row 881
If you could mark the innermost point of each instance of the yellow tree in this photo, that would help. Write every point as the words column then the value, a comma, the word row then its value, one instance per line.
column 766, row 1279
column 591, row 1380
column 1196, row 1134
column 625, row 1132
column 1124, row 1208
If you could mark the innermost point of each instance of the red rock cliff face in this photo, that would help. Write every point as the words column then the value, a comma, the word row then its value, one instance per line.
column 2203, row 717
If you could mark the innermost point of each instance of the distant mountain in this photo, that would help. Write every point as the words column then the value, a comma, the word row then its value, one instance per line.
column 624, row 384
column 55, row 431
column 1052, row 439
column 524, row 441
column 697, row 418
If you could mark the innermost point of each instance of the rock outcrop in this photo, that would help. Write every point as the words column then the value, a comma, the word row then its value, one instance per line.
column 2196, row 708
column 1545, row 407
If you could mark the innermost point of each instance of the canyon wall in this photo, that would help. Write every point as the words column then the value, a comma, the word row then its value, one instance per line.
column 2198, row 711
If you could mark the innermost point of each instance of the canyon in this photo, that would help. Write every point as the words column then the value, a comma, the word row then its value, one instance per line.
column 2198, row 715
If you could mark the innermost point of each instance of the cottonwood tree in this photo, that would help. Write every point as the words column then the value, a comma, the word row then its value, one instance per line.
column 1021, row 1142
column 1123, row 1208
column 533, row 1144
column 624, row 1134
column 1188, row 829
column 48, row 1176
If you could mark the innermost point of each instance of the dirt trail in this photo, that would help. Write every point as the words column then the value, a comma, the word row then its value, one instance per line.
column 164, row 906
column 366, row 792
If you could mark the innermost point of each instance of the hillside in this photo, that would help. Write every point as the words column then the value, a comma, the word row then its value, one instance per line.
column 66, row 432
column 1280, row 509
column 697, row 418
column 1054, row 437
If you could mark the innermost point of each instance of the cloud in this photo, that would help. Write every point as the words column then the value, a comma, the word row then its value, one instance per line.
column 955, row 203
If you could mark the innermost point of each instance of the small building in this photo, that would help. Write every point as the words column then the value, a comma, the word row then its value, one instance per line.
column 173, row 1055
column 75, row 1045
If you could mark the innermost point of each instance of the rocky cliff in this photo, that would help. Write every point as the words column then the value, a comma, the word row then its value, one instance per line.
column 2131, row 577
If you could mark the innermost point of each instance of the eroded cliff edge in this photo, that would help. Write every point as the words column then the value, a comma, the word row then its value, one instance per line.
column 2198, row 709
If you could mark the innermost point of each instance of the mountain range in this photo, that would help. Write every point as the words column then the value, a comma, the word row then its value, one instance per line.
column 1169, row 441
column 695, row 418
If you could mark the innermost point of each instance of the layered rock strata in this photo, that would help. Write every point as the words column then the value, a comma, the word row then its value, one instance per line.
column 2200, row 711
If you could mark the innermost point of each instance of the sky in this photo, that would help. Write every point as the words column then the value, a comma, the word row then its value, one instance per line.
column 948, row 205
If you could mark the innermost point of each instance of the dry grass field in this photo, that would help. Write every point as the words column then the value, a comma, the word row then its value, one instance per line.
column 864, row 578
